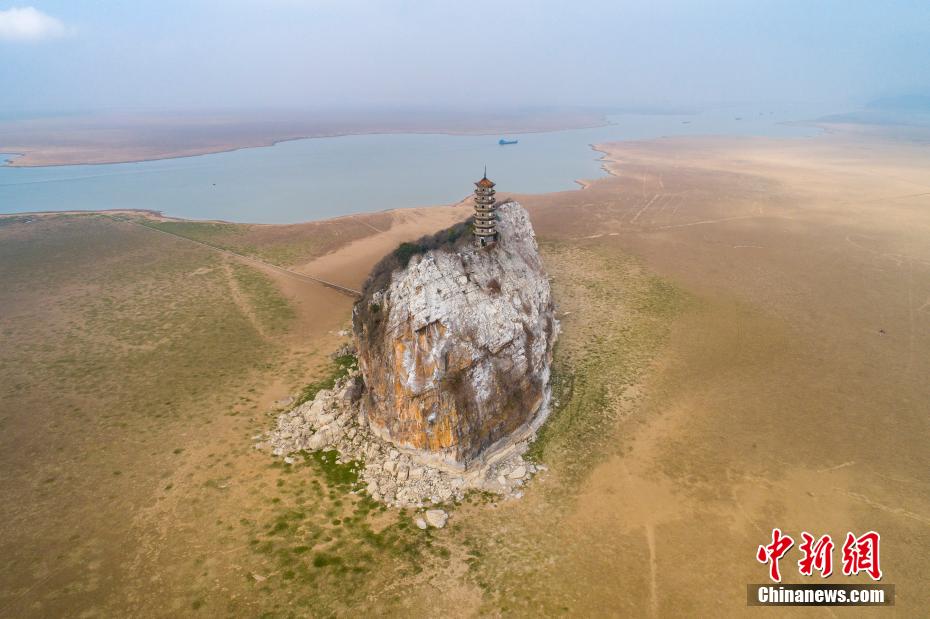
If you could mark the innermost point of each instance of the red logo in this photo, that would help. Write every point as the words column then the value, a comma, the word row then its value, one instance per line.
column 860, row 554
column 817, row 555
column 773, row 552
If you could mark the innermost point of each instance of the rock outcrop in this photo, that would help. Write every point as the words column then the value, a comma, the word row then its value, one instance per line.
column 332, row 420
column 455, row 346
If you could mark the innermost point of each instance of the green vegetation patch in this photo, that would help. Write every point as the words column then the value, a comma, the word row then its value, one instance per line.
column 218, row 234
column 282, row 245
column 270, row 306
column 618, row 317
column 340, row 367
column 238, row 238
column 615, row 319
column 324, row 549
column 449, row 237
column 336, row 474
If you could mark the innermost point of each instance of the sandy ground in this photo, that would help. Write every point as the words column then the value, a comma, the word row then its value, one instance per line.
column 350, row 264
column 321, row 309
column 795, row 395
column 789, row 391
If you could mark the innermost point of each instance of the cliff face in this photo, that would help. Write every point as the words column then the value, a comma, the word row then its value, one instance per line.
column 455, row 347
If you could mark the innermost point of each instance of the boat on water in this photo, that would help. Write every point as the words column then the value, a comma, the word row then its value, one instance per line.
column 505, row 141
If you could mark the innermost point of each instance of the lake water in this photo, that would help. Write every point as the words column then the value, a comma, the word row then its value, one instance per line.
column 311, row 179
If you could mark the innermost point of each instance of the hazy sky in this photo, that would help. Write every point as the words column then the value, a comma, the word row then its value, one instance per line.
column 67, row 54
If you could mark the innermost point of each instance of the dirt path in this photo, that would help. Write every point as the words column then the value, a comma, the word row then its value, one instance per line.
column 352, row 263
column 243, row 303
column 254, row 261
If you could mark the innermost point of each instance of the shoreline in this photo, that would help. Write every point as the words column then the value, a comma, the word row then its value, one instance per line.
column 580, row 184
column 160, row 215
column 20, row 155
column 14, row 162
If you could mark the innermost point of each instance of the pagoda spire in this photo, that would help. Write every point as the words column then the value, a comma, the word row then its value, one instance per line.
column 485, row 217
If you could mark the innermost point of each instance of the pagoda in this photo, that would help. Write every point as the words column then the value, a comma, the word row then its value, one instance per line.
column 485, row 231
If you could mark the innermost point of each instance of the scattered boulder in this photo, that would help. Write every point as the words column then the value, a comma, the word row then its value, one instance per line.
column 388, row 474
column 436, row 518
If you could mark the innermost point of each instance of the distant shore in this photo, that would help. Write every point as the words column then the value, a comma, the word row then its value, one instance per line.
column 275, row 185
column 108, row 140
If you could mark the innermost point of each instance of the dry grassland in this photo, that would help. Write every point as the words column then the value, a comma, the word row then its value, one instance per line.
column 746, row 344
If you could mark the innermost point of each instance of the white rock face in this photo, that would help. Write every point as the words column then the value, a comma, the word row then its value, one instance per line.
column 456, row 349
column 454, row 352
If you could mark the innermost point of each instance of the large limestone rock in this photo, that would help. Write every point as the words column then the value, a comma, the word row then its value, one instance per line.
column 332, row 420
column 455, row 347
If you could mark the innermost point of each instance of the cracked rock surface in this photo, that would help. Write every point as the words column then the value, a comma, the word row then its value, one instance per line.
column 456, row 346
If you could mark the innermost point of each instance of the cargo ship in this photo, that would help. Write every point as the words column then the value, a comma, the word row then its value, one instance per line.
column 505, row 141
